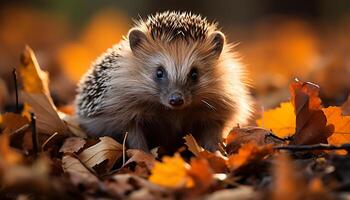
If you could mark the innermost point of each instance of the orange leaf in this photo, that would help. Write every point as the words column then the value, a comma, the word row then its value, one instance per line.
column 7, row 155
column 247, row 153
column 201, row 173
column 340, row 125
column 172, row 172
column 280, row 120
column 287, row 181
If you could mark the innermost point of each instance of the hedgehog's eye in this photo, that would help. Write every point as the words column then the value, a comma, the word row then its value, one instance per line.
column 160, row 73
column 194, row 74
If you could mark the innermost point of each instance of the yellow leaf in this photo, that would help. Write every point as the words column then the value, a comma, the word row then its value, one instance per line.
column 172, row 172
column 280, row 120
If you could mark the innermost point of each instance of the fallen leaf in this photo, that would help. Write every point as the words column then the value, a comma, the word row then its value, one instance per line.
column 7, row 155
column 241, row 192
column 288, row 182
column 171, row 172
column 217, row 162
column 247, row 153
column 124, row 184
column 192, row 144
column 339, row 124
column 281, row 120
column 10, row 122
column 72, row 124
column 201, row 173
column 138, row 156
column 78, row 172
column 37, row 95
column 310, row 119
column 257, row 135
column 107, row 150
column 72, row 145
column 307, row 123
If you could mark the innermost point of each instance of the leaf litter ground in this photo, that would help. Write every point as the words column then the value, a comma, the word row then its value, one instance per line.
column 298, row 151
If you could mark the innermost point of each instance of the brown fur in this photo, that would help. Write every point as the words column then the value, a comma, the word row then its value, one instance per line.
column 132, row 101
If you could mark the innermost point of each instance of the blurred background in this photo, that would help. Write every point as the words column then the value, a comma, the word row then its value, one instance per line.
column 277, row 40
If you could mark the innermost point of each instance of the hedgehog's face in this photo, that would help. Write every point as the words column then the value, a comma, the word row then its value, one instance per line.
column 180, row 70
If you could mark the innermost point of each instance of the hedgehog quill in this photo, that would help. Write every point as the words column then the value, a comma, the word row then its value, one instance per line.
column 173, row 74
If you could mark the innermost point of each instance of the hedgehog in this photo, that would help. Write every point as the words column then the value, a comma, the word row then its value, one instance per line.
column 173, row 74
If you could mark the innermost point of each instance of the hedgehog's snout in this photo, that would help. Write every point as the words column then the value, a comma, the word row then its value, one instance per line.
column 176, row 99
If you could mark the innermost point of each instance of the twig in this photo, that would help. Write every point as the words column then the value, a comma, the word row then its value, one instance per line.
column 288, row 138
column 314, row 147
column 124, row 143
column 34, row 135
column 14, row 73
column 19, row 130
column 48, row 140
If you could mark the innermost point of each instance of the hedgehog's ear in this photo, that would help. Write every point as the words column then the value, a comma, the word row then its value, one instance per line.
column 217, row 40
column 136, row 38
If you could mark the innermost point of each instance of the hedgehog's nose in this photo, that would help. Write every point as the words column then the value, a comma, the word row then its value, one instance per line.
column 176, row 99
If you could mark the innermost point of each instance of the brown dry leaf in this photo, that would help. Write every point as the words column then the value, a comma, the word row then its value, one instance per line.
column 138, row 156
column 241, row 192
column 339, row 124
column 72, row 124
column 247, row 153
column 201, row 173
column 250, row 134
column 37, row 95
column 281, row 120
column 7, row 155
column 72, row 145
column 171, row 172
column 217, row 162
column 107, row 150
column 127, row 185
column 31, row 178
column 10, row 122
column 310, row 119
column 288, row 183
column 77, row 171
column 192, row 144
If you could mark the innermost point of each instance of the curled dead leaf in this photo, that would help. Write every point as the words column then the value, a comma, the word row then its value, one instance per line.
column 192, row 144
column 106, row 150
column 257, row 135
column 72, row 145
column 37, row 95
